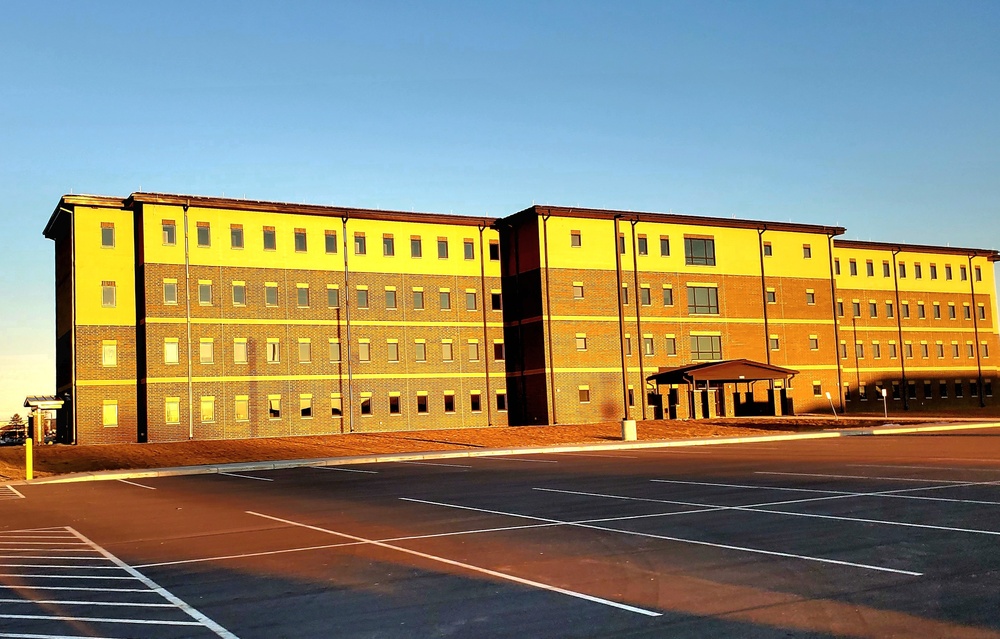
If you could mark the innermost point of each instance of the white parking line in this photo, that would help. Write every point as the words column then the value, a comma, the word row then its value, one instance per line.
column 77, row 602
column 132, row 483
column 346, row 470
column 10, row 635
column 477, row 569
column 910, row 479
column 696, row 542
column 597, row 455
column 147, row 622
column 519, row 459
column 11, row 493
column 245, row 476
column 959, row 468
column 435, row 464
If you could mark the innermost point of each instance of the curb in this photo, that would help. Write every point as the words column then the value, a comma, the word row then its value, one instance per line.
column 109, row 475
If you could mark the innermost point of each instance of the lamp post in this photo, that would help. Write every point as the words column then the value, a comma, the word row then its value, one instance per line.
column 830, row 399
column 885, row 403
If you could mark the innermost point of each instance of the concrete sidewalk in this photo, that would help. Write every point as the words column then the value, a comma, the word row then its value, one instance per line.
column 888, row 429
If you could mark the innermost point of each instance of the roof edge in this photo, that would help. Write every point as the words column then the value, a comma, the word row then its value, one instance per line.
column 990, row 254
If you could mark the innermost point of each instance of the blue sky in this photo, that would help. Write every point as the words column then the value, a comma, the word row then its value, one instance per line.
column 878, row 116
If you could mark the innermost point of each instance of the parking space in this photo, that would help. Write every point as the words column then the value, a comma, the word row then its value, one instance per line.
column 859, row 537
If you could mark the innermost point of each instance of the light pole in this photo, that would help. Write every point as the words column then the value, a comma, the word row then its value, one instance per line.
column 885, row 403
column 830, row 399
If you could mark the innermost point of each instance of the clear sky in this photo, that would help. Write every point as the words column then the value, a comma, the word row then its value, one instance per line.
column 878, row 116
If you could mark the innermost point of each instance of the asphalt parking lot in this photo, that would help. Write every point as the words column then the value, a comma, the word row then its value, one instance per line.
column 858, row 536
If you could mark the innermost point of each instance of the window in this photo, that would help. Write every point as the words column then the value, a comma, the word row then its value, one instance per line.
column 937, row 310
column 449, row 402
column 928, row 390
column 271, row 294
column 334, row 350
column 418, row 299
column 270, row 240
column 664, row 246
column 814, row 342
column 970, row 349
column 274, row 406
column 584, row 392
column 621, row 243
column 394, row 407
column 336, row 405
column 447, row 354
column 494, row 251
column 773, row 343
column 578, row 290
column 836, row 265
column 499, row 352
column 889, row 311
column 647, row 345
column 902, row 270
column 982, row 311
column 109, row 412
column 305, row 350
column 840, row 308
column 963, row 275
column 959, row 390
column 416, row 246
column 420, row 351
column 422, row 403
column 240, row 350
column 817, row 389
column 988, row 387
column 302, row 295
column 207, row 409
column 856, row 307
column 204, row 234
column 892, row 350
column 171, row 350
column 979, row 274
column 668, row 296
column 940, row 349
column 205, row 292
column 107, row 234
column 699, row 251
column 332, row 296
column 172, row 410
column 643, row 247
column 109, row 353
column 575, row 239
column 925, row 350
column 843, row 350
column 768, row 250
column 581, row 341
column 496, row 301
column 908, row 350
column 625, row 294
column 442, row 244
column 170, row 291
column 206, row 350
column 108, row 297
column 951, row 310
column 364, row 350
column 859, row 350
column 934, row 271
column 973, row 388
column 706, row 347
column 703, row 300
column 392, row 350
column 475, row 402
column 853, row 264
column 947, row 272
column 631, row 396
column 671, row 345
column 236, row 236
column 918, row 271
column 872, row 309
column 305, row 406
column 239, row 294
column 468, row 250
column 502, row 401
column 943, row 389
column 388, row 245
column 362, row 297
column 241, row 411
column 876, row 350
column 870, row 268
column 807, row 251
column 921, row 310
column 330, row 238
column 628, row 345
column 390, row 298
column 273, row 353
column 644, row 297
column 810, row 297
column 360, row 248
column 445, row 299
column 954, row 350
column 771, row 296
column 169, row 232
column 470, row 300
column 966, row 311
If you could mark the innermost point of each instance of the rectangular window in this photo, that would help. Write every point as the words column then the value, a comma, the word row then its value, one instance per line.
column 706, row 347
column 421, row 403
column 876, row 350
column 771, row 296
column 330, row 238
column 394, row 407
column 703, row 300
column 205, row 293
column 921, row 310
column 664, row 246
column 951, row 311
column 859, row 350
column 668, row 296
column 643, row 248
column 470, row 301
column 902, row 270
column 239, row 294
column 581, row 341
column 843, row 350
column 273, row 353
column 305, row 350
column 109, row 353
column 578, row 290
column 644, row 296
column 416, row 246
column 442, row 244
column 699, row 251
column 334, row 351
column 171, row 350
column 959, row 390
column 107, row 234
column 270, row 240
column 575, row 239
column 240, row 350
column 305, row 406
column 966, row 311
column 172, row 410
column 271, row 294
column 390, row 298
column 853, row 264
column 979, row 274
column 445, row 300
column 447, row 354
column 954, row 350
column 982, row 311
column 947, row 272
column 494, row 251
column 475, row 402
column 647, row 345
column 420, row 351
column 810, row 297
column 274, row 406
column 502, row 401
column 108, row 294
column 364, row 351
column 621, row 243
column 418, row 299
column 392, row 351
column 625, row 294
column 169, row 232
column 872, row 309
column 963, row 275
column 768, row 249
column 206, row 350
column 892, row 350
column 170, row 291
column 943, row 389
column 388, row 245
column 204, row 234
column 886, row 272
column 840, row 308
column 360, row 247
column 473, row 351
column 870, row 268
column 584, row 392
column 207, row 409
column 940, row 349
column 908, row 350
column 628, row 345
column 933, row 271
column 109, row 412
column 468, row 250
column 499, row 352
column 332, row 296
column 856, row 307
column 973, row 388
column 925, row 350
column 889, row 311
column 449, row 402
column 300, row 240
column 362, row 297
column 236, row 236
column 302, row 295
column 918, row 271
column 807, row 251
column 336, row 405
column 496, row 301
column 671, row 345
column 773, row 343
column 937, row 310
column 836, row 265
column 241, row 410
column 817, row 389
column 813, row 342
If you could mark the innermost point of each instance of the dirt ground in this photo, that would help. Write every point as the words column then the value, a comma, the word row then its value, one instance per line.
column 58, row 459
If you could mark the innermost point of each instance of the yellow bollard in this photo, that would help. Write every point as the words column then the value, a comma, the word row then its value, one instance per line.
column 29, row 471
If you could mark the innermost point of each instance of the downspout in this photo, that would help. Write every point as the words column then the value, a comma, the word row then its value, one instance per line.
column 621, row 319
column 836, row 325
column 72, row 332
column 638, row 320
column 548, row 317
column 763, row 296
column 975, row 328
column 857, row 364
column 486, row 352
column 904, row 390
column 347, row 331
column 187, row 319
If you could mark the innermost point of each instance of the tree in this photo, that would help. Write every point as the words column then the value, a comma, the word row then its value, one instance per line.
column 16, row 423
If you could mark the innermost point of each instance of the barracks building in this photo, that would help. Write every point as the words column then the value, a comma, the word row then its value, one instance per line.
column 182, row 317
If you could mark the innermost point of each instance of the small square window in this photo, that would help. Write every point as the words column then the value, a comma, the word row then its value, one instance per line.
column 768, row 251
column 578, row 291
column 581, row 342
column 169, row 232
column 575, row 239
column 810, row 297
column 584, row 395
column 496, row 302
column 204, row 234
column 469, row 250
column 807, row 252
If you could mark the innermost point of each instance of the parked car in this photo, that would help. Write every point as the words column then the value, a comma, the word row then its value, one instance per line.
column 11, row 438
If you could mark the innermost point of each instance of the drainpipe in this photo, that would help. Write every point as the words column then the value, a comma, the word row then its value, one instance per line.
column 904, row 390
column 187, row 319
column 857, row 364
column 621, row 320
column 347, row 330
column 638, row 321
column 975, row 327
column 486, row 350
column 763, row 293
column 836, row 325
column 548, row 317
column 72, row 332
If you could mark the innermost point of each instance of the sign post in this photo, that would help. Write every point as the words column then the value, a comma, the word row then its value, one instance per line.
column 37, row 404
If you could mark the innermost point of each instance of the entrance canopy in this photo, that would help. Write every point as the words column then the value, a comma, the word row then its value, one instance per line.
column 729, row 370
